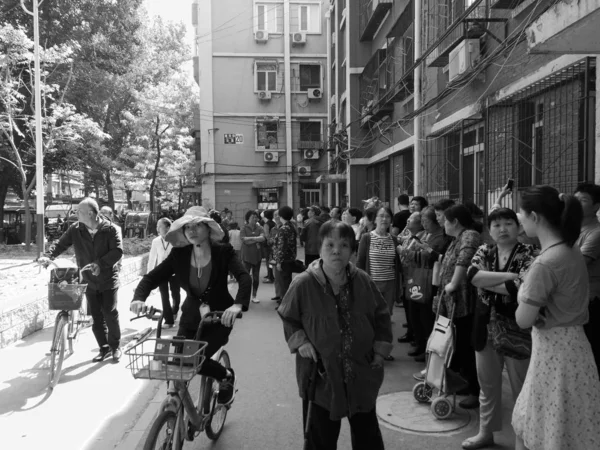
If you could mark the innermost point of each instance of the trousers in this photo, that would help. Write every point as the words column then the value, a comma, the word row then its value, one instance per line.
column 216, row 336
column 103, row 309
column 170, row 312
column 254, row 271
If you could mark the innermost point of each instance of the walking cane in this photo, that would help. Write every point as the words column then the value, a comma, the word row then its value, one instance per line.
column 312, row 387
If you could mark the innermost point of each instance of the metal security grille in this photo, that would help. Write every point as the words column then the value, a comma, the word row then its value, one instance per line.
column 543, row 134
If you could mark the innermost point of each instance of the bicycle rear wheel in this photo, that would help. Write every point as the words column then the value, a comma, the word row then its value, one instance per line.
column 57, row 354
column 218, row 414
column 162, row 435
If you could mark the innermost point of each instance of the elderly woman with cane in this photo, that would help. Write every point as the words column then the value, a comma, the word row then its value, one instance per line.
column 333, row 311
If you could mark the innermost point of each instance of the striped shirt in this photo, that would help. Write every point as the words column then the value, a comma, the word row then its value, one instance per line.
column 381, row 257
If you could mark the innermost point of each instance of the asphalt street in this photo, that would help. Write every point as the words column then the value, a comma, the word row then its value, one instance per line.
column 101, row 407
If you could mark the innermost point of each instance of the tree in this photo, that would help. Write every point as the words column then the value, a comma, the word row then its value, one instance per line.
column 63, row 127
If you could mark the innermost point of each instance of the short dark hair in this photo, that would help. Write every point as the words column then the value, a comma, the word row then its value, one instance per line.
column 474, row 209
column 356, row 213
column 215, row 215
column 315, row 210
column 269, row 214
column 444, row 204
column 233, row 226
column 593, row 190
column 464, row 217
column 325, row 209
column 286, row 213
column 250, row 214
column 345, row 231
column 429, row 212
column 387, row 209
column 403, row 200
column 421, row 200
column 502, row 213
column 371, row 213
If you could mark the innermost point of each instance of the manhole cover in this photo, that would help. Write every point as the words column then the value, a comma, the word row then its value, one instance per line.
column 400, row 411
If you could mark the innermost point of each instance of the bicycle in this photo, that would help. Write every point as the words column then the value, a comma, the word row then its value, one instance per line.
column 191, row 405
column 66, row 297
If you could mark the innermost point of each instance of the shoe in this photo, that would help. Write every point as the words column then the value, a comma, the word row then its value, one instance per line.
column 420, row 376
column 405, row 339
column 167, row 325
column 268, row 281
column 227, row 389
column 276, row 299
column 116, row 354
column 416, row 352
column 477, row 442
column 398, row 305
column 389, row 358
column 471, row 402
column 255, row 300
column 421, row 358
column 103, row 354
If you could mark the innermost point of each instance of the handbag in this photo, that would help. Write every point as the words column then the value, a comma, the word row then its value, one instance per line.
column 508, row 338
column 418, row 280
column 294, row 266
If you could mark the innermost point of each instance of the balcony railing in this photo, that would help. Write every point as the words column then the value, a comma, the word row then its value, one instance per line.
column 505, row 4
column 311, row 143
column 372, row 13
column 445, row 14
column 374, row 88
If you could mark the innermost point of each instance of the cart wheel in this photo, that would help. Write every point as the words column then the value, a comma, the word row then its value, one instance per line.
column 422, row 392
column 441, row 408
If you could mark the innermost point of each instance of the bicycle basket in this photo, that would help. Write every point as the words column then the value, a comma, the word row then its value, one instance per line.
column 65, row 297
column 166, row 359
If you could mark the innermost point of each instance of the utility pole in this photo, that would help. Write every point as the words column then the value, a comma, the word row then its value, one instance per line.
column 288, row 104
column 39, row 156
column 418, row 153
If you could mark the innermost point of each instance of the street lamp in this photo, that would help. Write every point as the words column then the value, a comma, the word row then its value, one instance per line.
column 39, row 157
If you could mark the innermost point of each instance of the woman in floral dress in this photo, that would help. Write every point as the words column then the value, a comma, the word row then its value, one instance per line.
column 559, row 405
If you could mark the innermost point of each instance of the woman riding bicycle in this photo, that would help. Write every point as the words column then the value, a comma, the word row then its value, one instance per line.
column 202, row 266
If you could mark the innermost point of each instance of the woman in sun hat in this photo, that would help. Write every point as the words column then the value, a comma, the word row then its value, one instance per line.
column 202, row 265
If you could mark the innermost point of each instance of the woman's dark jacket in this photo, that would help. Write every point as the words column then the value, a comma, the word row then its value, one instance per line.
column 224, row 260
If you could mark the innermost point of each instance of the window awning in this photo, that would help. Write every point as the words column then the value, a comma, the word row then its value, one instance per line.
column 266, row 184
column 332, row 178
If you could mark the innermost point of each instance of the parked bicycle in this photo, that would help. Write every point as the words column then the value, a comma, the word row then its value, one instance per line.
column 191, row 406
column 65, row 295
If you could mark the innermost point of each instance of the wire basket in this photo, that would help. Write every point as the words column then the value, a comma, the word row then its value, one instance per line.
column 166, row 359
column 65, row 297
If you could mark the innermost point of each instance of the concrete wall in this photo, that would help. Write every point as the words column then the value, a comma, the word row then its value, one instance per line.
column 26, row 319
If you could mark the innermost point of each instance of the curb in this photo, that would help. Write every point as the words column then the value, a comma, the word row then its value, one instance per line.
column 26, row 319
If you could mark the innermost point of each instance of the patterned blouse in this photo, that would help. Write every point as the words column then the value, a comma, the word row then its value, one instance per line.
column 285, row 243
column 459, row 253
column 519, row 262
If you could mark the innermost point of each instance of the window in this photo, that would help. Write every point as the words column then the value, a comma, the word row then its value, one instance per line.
column 267, row 134
column 310, row 131
column 310, row 76
column 306, row 18
column 268, row 198
column 266, row 77
column 268, row 17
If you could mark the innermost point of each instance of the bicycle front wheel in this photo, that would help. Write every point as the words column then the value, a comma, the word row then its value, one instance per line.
column 57, row 355
column 162, row 435
column 218, row 414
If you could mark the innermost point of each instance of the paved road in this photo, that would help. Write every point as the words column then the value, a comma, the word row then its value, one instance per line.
column 101, row 407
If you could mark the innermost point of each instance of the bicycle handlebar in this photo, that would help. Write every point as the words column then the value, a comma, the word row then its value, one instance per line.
column 151, row 313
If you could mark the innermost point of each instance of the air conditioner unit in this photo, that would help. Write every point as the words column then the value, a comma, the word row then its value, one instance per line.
column 271, row 157
column 264, row 95
column 463, row 57
column 315, row 93
column 298, row 38
column 304, row 171
column 261, row 36
column 311, row 154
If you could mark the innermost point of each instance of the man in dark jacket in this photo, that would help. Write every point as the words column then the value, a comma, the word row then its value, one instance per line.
column 98, row 248
column 310, row 235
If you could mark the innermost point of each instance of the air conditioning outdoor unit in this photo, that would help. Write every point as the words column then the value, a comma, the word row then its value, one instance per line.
column 271, row 157
column 299, row 38
column 311, row 154
column 315, row 93
column 463, row 57
column 304, row 171
column 264, row 95
column 261, row 36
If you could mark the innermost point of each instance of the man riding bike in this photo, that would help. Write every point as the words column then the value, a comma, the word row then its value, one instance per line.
column 202, row 265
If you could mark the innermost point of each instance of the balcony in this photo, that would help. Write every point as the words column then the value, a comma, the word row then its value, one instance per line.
column 311, row 143
column 505, row 4
column 372, row 13
column 400, row 56
column 445, row 14
column 374, row 83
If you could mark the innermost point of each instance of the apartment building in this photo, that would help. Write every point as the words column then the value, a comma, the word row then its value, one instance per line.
column 507, row 88
column 261, row 129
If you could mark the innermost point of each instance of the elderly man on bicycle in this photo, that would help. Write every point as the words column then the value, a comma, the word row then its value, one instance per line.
column 202, row 265
column 98, row 249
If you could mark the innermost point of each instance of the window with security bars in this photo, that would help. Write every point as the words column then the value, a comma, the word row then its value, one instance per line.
column 310, row 76
column 269, row 135
column 266, row 77
column 402, row 172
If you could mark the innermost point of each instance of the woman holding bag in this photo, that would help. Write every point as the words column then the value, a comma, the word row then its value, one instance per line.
column 496, row 270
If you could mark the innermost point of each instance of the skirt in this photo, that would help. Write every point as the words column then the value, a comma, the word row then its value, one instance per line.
column 559, row 405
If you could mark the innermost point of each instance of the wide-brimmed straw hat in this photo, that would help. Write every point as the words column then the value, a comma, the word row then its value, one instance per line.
column 196, row 214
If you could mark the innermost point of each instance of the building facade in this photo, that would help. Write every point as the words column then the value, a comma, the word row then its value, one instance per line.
column 261, row 130
column 507, row 90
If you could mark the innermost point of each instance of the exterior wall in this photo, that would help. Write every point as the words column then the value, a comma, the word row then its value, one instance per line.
column 234, row 172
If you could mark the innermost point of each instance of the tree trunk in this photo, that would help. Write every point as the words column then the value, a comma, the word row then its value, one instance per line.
column 156, row 164
column 110, row 190
column 180, row 192
column 3, row 194
column 129, row 194
column 27, row 215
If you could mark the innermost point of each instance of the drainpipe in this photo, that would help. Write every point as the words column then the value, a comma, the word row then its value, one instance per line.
column 418, row 156
column 288, row 103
